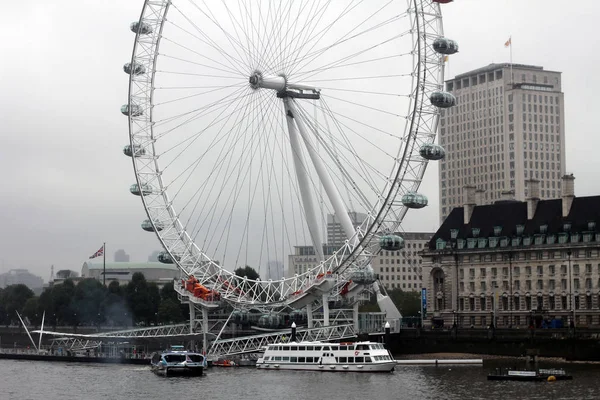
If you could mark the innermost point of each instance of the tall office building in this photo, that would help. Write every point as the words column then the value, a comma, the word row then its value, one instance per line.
column 507, row 127
column 335, row 233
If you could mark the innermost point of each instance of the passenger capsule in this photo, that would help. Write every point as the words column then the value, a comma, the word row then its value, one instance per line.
column 432, row 152
column 136, row 110
column 414, row 200
column 445, row 46
column 391, row 242
column 442, row 99
column 145, row 191
column 141, row 27
column 165, row 257
column 134, row 69
column 148, row 227
column 443, row 1
column 363, row 276
column 135, row 151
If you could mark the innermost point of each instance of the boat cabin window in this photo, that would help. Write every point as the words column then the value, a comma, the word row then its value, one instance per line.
column 368, row 359
column 196, row 358
column 302, row 348
column 343, row 359
column 326, row 347
column 359, row 359
column 302, row 359
column 175, row 358
column 343, row 347
column 294, row 348
column 293, row 359
column 267, row 358
column 362, row 347
column 309, row 348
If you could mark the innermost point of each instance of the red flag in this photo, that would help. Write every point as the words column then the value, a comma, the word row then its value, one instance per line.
column 98, row 253
column 508, row 42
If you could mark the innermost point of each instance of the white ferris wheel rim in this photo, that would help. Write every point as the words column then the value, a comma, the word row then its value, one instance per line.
column 420, row 128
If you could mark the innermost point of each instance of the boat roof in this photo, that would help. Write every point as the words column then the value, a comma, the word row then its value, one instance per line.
column 323, row 343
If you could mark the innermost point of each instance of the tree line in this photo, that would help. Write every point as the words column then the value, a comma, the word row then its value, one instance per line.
column 89, row 302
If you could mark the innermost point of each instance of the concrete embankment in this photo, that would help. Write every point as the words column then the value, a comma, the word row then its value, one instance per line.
column 95, row 360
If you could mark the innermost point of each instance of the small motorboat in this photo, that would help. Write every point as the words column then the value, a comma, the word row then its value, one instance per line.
column 542, row 374
column 177, row 362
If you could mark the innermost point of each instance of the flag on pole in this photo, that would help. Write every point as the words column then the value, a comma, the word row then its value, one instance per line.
column 98, row 253
column 446, row 59
column 508, row 42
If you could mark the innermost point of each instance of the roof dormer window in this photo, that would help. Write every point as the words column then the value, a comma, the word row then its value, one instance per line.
column 543, row 228
column 475, row 232
column 591, row 225
column 567, row 226
column 497, row 230
column 520, row 229
column 453, row 233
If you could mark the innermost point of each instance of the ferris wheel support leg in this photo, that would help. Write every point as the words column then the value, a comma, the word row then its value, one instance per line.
column 326, row 309
column 303, row 182
column 355, row 316
column 192, row 319
column 204, row 330
column 309, row 316
column 332, row 193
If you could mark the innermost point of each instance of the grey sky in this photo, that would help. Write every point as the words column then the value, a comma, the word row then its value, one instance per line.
column 65, row 180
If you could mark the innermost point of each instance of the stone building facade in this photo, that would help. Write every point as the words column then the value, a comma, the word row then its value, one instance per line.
column 516, row 264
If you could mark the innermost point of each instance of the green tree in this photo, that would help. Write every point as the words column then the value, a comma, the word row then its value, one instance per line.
column 14, row 298
column 142, row 299
column 168, row 294
column 88, row 301
column 407, row 302
column 115, row 307
column 248, row 272
column 32, row 311
column 169, row 311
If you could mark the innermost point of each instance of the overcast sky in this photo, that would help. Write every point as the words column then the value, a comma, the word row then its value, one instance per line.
column 65, row 180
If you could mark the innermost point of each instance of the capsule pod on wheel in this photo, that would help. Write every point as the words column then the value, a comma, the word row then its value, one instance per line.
column 391, row 242
column 445, row 46
column 414, row 200
column 432, row 152
column 442, row 99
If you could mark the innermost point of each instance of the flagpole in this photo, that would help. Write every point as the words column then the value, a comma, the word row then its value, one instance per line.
column 512, row 75
column 104, row 264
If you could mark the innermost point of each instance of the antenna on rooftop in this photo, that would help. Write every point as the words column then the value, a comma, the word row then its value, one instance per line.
column 52, row 273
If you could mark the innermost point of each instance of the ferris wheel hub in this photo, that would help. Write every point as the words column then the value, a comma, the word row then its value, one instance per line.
column 279, row 83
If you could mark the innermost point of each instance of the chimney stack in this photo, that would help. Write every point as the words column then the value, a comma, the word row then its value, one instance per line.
column 469, row 206
column 479, row 198
column 507, row 195
column 568, row 194
column 534, row 197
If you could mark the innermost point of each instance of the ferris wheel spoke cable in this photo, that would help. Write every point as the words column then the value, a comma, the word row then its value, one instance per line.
column 303, row 74
column 308, row 27
column 218, row 119
column 240, row 165
column 312, row 55
column 204, row 111
column 214, row 173
column 235, row 45
column 295, row 54
column 335, row 155
column 335, row 158
column 234, row 65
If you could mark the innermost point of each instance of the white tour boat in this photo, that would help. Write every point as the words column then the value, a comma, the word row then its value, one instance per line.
column 322, row 356
column 177, row 361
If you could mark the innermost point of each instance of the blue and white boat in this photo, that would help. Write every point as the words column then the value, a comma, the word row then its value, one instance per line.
column 177, row 362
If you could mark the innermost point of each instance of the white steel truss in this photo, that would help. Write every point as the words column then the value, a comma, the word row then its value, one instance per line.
column 253, row 344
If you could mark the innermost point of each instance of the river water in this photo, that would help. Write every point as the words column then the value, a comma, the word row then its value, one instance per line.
column 31, row 380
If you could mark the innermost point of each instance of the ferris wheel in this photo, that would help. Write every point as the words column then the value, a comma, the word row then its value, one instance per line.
column 264, row 129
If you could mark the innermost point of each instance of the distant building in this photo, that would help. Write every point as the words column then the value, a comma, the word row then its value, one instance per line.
column 275, row 270
column 154, row 256
column 122, row 272
column 21, row 276
column 403, row 269
column 335, row 233
column 507, row 126
column 121, row 256
column 396, row 269
column 66, row 274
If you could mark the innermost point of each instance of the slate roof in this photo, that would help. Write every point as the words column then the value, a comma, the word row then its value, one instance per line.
column 509, row 214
